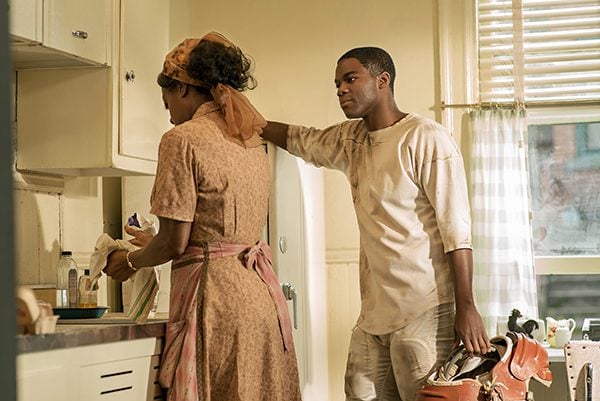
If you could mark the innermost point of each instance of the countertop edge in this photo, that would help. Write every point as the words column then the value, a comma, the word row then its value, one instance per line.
column 80, row 335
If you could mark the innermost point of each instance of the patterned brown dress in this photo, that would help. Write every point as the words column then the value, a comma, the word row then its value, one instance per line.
column 222, row 188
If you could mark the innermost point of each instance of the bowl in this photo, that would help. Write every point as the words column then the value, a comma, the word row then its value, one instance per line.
column 80, row 313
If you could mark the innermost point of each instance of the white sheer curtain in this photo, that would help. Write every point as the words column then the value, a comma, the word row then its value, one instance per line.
column 503, row 273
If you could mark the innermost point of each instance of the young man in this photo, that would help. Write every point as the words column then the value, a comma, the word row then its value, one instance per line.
column 409, row 191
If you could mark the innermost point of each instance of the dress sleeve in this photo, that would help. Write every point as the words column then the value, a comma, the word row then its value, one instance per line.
column 175, row 190
column 442, row 177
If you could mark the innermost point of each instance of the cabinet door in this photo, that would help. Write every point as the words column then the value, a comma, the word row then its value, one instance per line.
column 46, row 379
column 48, row 383
column 26, row 19
column 78, row 27
column 145, row 41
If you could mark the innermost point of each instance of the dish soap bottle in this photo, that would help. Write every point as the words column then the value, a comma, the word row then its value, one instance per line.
column 66, row 270
column 88, row 297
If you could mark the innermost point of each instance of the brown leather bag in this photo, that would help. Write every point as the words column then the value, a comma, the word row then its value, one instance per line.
column 502, row 374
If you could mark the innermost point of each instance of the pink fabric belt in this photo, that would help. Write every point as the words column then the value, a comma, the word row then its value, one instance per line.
column 178, row 365
column 258, row 258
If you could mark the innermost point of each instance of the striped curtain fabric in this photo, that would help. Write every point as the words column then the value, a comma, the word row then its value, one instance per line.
column 503, row 272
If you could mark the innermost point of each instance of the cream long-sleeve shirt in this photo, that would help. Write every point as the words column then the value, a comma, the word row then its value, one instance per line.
column 409, row 192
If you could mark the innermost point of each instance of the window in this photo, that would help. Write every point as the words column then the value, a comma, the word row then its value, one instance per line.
column 547, row 53
column 539, row 50
column 564, row 172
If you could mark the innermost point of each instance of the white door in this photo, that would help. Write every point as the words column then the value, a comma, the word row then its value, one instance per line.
column 286, row 228
column 296, row 237
column 145, row 43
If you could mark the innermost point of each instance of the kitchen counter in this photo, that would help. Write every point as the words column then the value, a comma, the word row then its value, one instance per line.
column 112, row 327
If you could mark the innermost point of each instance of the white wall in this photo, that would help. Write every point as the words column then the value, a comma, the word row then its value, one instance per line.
column 295, row 46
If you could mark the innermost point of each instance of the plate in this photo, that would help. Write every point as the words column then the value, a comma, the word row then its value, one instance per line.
column 80, row 313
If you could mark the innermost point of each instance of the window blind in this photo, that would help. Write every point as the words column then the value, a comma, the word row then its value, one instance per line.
column 539, row 50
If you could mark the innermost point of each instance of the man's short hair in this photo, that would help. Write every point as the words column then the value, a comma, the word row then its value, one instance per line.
column 375, row 60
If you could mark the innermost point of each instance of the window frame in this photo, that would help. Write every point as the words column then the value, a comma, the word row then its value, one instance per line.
column 588, row 264
column 459, row 89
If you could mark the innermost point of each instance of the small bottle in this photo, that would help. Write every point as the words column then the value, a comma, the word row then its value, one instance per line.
column 65, row 265
column 88, row 297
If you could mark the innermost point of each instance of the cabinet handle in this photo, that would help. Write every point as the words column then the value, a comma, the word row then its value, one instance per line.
column 130, row 76
column 80, row 34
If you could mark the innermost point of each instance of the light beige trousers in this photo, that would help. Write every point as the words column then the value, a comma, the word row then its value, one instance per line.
column 392, row 367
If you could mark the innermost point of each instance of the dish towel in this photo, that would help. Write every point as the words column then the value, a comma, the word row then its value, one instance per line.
column 144, row 281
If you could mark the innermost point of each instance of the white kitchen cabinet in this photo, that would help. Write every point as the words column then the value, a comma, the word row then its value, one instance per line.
column 25, row 20
column 144, row 48
column 99, row 121
column 119, row 371
column 60, row 33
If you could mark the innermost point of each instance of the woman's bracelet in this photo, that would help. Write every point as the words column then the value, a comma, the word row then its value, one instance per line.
column 129, row 262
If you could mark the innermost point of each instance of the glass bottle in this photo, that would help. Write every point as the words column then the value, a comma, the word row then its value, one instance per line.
column 66, row 296
column 88, row 297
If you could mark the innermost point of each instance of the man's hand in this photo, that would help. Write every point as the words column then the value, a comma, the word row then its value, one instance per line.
column 469, row 328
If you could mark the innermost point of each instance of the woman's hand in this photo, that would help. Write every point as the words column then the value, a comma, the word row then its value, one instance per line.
column 116, row 266
column 141, row 238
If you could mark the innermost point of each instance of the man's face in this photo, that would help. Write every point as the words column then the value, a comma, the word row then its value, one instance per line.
column 357, row 88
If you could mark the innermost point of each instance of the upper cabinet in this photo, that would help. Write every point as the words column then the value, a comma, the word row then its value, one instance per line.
column 25, row 20
column 60, row 33
column 145, row 44
column 99, row 121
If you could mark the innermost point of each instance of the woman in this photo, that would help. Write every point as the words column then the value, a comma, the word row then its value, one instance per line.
column 229, row 334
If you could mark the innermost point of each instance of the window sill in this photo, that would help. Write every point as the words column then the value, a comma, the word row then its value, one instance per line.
column 567, row 264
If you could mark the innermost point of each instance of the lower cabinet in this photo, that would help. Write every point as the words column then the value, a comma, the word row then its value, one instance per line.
column 126, row 370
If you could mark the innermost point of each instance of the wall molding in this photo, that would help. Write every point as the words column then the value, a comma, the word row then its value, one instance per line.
column 341, row 255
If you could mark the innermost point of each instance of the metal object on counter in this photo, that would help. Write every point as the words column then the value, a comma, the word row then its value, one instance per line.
column 591, row 328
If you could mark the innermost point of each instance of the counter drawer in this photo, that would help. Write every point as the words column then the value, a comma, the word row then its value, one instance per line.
column 122, row 380
column 124, row 370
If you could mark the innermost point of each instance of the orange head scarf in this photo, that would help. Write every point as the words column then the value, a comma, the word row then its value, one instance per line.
column 244, row 122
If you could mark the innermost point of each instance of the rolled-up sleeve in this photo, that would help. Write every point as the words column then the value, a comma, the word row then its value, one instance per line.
column 443, row 178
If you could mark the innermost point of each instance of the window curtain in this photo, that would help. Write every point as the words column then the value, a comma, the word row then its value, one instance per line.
column 503, row 272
